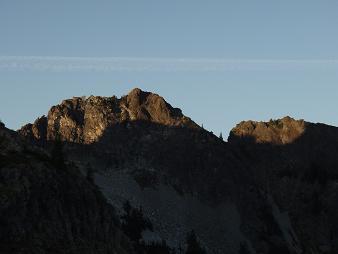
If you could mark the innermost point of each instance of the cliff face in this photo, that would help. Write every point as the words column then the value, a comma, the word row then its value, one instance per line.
column 49, row 208
column 84, row 120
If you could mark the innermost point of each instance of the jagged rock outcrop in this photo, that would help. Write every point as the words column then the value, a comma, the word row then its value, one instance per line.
column 84, row 120
column 45, row 208
column 36, row 131
column 278, row 132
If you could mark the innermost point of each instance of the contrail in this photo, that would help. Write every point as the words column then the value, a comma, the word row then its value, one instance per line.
column 112, row 64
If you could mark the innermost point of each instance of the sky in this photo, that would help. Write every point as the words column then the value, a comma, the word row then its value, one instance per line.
column 221, row 62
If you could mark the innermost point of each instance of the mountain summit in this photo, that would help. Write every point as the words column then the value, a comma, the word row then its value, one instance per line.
column 84, row 120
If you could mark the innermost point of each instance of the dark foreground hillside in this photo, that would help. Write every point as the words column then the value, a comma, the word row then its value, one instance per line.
column 47, row 206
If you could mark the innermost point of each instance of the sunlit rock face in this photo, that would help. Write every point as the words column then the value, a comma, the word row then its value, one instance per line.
column 84, row 120
column 37, row 130
column 278, row 132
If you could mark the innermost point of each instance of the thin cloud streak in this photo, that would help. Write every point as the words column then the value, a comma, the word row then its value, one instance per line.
column 113, row 64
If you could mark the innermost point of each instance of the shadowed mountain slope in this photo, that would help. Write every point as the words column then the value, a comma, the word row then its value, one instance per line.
column 270, row 189
column 296, row 163
column 49, row 207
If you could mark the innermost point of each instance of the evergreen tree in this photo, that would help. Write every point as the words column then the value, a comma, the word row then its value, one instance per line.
column 133, row 222
column 193, row 246
column 158, row 248
column 57, row 153
column 243, row 249
column 221, row 136
column 90, row 173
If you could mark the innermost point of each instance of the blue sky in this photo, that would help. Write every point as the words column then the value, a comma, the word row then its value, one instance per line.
column 220, row 61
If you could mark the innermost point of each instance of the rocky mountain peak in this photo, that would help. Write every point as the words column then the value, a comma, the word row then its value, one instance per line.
column 280, row 131
column 137, row 92
column 85, row 119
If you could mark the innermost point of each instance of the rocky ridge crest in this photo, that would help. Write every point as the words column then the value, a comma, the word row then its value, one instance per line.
column 278, row 132
column 84, row 120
